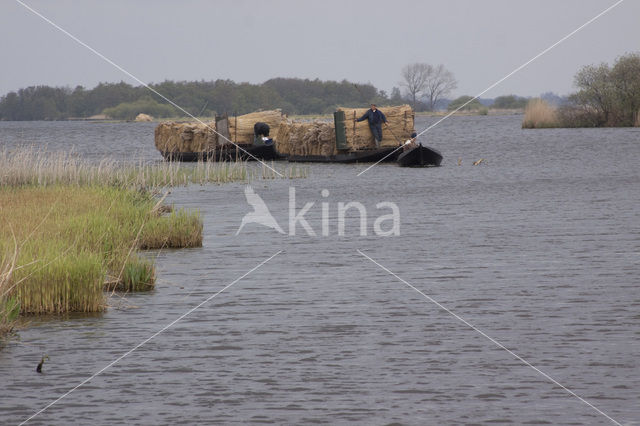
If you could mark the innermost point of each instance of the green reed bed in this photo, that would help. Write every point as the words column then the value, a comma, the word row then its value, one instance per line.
column 181, row 229
column 138, row 274
column 9, row 305
column 71, row 229
column 70, row 243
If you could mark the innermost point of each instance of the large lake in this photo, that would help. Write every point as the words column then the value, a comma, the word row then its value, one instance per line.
column 538, row 247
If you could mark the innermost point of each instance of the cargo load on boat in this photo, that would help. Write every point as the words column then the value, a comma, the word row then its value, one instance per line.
column 342, row 139
column 217, row 139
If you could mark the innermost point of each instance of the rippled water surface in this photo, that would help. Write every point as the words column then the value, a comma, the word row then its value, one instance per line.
column 538, row 247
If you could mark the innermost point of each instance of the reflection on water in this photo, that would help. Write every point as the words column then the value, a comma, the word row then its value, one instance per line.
column 539, row 247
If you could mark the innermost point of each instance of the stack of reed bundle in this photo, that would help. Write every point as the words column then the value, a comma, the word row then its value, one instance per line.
column 306, row 138
column 241, row 127
column 400, row 120
column 143, row 117
column 186, row 137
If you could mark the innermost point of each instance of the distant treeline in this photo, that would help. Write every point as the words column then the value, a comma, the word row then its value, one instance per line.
column 508, row 102
column 123, row 101
column 200, row 98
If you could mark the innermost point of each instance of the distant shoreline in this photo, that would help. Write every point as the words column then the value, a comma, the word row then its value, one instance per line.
column 328, row 117
column 490, row 111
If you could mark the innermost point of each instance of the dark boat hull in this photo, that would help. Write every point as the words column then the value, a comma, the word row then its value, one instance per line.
column 365, row 156
column 420, row 156
column 230, row 153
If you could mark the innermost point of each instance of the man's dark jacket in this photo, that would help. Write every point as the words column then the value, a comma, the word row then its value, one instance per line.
column 375, row 117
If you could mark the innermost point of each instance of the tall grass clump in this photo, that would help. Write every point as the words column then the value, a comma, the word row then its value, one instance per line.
column 59, row 282
column 73, row 241
column 178, row 230
column 138, row 274
column 9, row 304
column 538, row 114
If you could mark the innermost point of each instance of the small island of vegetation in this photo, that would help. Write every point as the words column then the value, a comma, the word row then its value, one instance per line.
column 71, row 230
column 607, row 96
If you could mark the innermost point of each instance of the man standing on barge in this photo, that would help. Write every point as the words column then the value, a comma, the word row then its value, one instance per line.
column 375, row 118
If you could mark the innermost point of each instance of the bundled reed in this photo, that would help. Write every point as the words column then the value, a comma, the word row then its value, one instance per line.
column 186, row 137
column 306, row 138
column 143, row 117
column 241, row 127
column 198, row 137
column 400, row 126
column 538, row 114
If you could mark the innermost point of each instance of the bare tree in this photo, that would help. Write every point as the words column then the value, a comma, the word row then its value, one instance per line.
column 415, row 78
column 424, row 80
column 440, row 82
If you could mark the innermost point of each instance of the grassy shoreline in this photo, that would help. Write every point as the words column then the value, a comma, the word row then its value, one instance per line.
column 70, row 230
column 63, row 246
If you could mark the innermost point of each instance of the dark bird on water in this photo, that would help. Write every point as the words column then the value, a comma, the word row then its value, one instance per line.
column 39, row 367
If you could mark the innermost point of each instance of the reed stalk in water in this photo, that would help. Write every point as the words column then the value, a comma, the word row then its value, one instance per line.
column 29, row 166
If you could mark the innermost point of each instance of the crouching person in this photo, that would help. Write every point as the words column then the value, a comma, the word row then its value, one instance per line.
column 261, row 134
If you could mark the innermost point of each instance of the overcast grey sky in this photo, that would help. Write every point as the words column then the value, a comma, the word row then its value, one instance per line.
column 362, row 41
